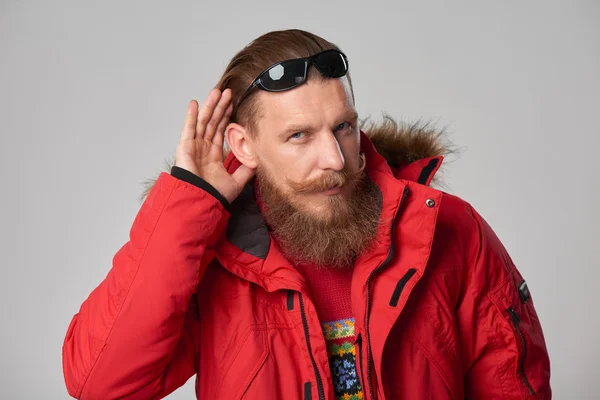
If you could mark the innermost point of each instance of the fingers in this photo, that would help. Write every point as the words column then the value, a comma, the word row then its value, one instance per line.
column 214, row 115
column 189, row 127
column 218, row 138
column 206, row 111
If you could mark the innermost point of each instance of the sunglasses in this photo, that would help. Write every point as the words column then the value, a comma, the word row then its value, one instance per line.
column 288, row 74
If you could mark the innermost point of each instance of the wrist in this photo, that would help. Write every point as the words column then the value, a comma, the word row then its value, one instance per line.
column 193, row 179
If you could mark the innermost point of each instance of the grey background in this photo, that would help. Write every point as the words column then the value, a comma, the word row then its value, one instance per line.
column 93, row 97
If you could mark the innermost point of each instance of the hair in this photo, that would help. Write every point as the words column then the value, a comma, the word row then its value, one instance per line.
column 262, row 52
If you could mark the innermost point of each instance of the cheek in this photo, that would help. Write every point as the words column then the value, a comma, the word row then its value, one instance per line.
column 294, row 163
column 282, row 168
column 297, row 165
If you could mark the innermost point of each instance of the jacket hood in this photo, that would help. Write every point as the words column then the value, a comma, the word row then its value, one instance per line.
column 402, row 143
column 408, row 148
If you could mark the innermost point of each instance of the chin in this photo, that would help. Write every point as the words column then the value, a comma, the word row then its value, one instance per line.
column 325, row 208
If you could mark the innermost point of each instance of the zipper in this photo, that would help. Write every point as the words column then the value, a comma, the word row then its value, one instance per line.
column 358, row 342
column 380, row 266
column 515, row 320
column 312, row 358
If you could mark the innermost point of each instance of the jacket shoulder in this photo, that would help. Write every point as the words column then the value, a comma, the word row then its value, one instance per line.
column 486, row 261
column 456, row 224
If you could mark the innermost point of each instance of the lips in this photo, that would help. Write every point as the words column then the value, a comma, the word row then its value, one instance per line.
column 332, row 191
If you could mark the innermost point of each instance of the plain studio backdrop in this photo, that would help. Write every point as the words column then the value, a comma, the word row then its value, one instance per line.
column 93, row 98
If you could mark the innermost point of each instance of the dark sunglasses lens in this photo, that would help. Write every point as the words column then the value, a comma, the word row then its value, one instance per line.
column 284, row 76
column 332, row 63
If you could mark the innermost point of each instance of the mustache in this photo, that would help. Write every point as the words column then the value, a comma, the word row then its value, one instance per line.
column 330, row 179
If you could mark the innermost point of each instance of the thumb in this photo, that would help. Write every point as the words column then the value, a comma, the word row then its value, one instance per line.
column 243, row 174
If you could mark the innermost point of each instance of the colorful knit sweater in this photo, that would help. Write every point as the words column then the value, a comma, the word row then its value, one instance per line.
column 330, row 292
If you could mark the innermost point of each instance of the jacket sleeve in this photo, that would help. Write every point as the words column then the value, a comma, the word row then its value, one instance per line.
column 503, row 348
column 133, row 338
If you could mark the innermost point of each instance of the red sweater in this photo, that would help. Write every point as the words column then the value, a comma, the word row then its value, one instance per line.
column 330, row 292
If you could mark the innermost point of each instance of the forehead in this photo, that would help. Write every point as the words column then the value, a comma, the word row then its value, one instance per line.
column 313, row 103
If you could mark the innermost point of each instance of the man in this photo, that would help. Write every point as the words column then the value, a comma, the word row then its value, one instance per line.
column 314, row 261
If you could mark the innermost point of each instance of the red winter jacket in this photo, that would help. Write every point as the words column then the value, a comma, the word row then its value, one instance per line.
column 199, row 289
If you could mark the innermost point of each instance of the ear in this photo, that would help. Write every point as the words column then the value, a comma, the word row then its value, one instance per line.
column 241, row 145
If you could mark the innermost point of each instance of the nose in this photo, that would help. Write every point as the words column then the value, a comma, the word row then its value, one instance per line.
column 330, row 153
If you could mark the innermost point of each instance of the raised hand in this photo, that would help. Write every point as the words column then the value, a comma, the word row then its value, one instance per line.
column 200, row 149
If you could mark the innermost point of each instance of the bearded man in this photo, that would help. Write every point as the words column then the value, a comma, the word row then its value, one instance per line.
column 313, row 260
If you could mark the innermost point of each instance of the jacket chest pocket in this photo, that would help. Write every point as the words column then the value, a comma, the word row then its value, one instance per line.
column 239, row 372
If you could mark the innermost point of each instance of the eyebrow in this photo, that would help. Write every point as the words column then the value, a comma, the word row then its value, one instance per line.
column 349, row 114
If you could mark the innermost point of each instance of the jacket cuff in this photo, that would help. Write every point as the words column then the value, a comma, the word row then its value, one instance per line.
column 193, row 179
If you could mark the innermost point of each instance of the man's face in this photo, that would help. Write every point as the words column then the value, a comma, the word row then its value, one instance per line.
column 306, row 137
column 317, row 199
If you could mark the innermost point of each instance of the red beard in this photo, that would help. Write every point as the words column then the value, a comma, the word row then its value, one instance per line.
column 333, row 239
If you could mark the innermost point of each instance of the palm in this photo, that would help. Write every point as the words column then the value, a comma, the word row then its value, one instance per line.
column 200, row 150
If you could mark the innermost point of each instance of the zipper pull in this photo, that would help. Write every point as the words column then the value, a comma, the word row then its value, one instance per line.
column 358, row 339
column 513, row 315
